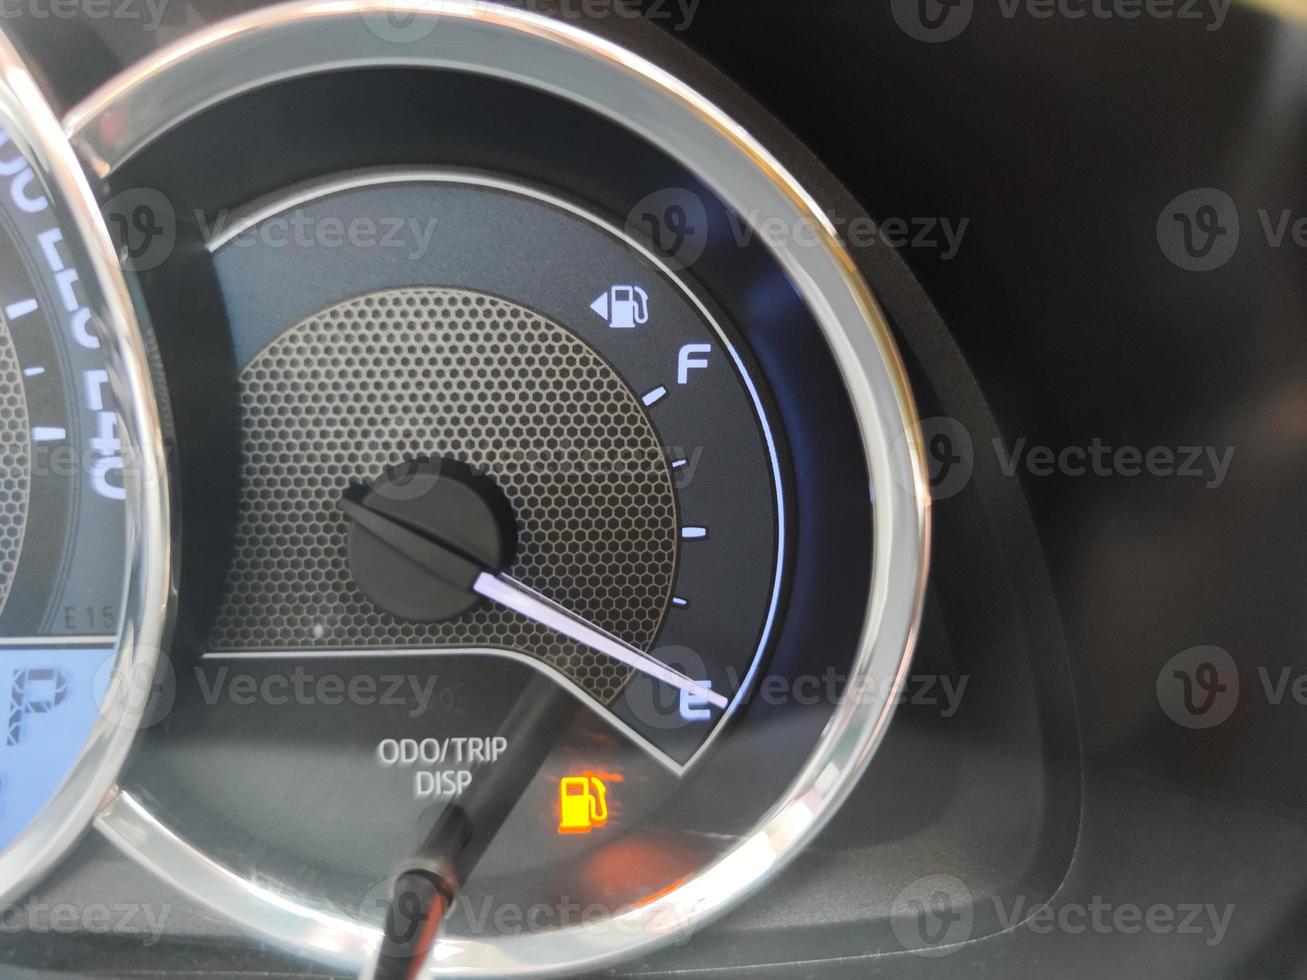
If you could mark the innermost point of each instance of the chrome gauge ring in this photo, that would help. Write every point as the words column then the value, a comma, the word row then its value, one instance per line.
column 84, row 527
column 799, row 548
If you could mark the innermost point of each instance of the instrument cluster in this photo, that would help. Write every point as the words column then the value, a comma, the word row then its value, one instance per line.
column 496, row 512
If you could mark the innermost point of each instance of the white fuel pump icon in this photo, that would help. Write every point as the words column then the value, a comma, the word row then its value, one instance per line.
column 623, row 307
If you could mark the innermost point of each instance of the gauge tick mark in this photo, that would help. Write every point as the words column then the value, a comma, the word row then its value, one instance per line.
column 23, row 307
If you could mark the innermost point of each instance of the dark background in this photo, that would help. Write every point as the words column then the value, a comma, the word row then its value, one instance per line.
column 1063, row 141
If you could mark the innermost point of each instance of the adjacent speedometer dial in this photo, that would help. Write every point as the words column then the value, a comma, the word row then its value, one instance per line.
column 82, row 509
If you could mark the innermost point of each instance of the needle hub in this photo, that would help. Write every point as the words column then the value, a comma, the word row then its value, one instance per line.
column 440, row 502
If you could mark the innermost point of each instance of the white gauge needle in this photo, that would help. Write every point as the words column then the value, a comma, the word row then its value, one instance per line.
column 535, row 607
column 458, row 570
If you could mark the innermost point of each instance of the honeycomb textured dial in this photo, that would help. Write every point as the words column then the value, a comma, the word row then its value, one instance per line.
column 15, row 463
column 455, row 373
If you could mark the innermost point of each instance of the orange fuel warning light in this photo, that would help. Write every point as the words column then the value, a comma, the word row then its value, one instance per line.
column 582, row 804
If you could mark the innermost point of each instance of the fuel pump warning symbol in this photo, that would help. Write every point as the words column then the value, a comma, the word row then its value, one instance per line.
column 623, row 307
column 582, row 804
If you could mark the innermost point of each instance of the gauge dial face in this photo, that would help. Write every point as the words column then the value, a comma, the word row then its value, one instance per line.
column 539, row 553
column 634, row 468
column 618, row 419
column 72, row 523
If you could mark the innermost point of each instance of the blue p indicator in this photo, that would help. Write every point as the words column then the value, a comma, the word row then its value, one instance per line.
column 35, row 691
